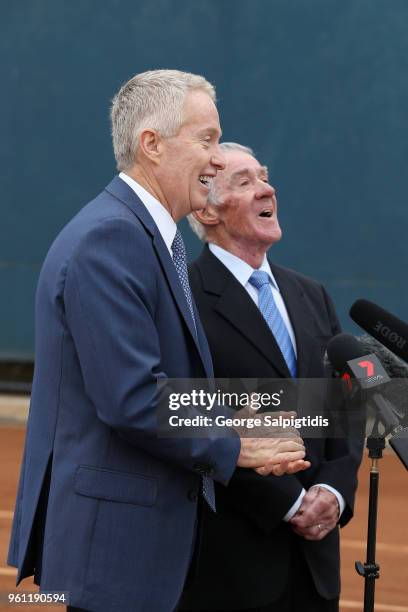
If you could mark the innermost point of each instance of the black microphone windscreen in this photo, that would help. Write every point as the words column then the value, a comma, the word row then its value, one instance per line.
column 397, row 389
column 394, row 366
column 382, row 325
column 341, row 349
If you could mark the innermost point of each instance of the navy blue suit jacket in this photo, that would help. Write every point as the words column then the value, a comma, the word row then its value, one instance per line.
column 106, row 510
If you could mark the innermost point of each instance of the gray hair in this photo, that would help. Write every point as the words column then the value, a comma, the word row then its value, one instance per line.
column 152, row 99
column 214, row 196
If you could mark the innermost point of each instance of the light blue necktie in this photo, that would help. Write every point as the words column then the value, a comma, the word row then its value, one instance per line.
column 266, row 304
column 180, row 261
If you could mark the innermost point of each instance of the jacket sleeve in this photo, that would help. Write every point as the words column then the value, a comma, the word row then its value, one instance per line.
column 264, row 500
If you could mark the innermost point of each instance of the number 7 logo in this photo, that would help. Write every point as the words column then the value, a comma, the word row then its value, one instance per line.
column 367, row 365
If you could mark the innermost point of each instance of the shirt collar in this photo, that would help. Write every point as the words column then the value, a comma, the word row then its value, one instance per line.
column 239, row 268
column 162, row 218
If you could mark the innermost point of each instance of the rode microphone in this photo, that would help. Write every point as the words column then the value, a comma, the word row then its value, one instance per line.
column 350, row 359
column 382, row 325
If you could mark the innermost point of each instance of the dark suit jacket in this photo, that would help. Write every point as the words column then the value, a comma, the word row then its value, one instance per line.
column 245, row 549
column 106, row 510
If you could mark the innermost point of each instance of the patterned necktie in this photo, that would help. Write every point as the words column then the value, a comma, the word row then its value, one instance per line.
column 180, row 261
column 271, row 314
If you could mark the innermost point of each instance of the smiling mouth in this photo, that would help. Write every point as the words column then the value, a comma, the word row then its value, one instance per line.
column 206, row 180
column 267, row 213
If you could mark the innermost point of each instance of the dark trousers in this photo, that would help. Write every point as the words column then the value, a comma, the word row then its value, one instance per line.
column 300, row 594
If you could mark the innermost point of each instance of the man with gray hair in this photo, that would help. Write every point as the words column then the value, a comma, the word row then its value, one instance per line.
column 273, row 545
column 106, row 510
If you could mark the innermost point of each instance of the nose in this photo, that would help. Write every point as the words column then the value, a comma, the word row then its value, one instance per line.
column 218, row 160
column 265, row 190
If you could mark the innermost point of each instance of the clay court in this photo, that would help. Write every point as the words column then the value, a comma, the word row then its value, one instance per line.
column 392, row 538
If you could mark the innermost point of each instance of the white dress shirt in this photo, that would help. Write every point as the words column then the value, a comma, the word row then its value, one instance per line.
column 242, row 272
column 161, row 216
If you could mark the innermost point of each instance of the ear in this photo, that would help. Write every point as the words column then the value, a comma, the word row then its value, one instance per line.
column 150, row 145
column 208, row 216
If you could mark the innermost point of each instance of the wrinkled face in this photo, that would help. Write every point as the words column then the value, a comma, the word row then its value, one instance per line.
column 190, row 160
column 248, row 211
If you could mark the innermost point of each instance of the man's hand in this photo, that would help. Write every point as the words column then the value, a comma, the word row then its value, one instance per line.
column 317, row 515
column 277, row 450
column 286, row 466
column 273, row 455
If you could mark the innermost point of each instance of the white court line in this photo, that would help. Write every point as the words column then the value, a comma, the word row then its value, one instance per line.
column 381, row 546
column 6, row 514
column 379, row 607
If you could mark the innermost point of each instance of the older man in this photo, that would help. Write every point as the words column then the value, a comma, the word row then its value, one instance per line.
column 106, row 510
column 274, row 543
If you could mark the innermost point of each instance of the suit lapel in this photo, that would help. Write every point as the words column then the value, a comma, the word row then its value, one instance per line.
column 203, row 343
column 236, row 306
column 125, row 194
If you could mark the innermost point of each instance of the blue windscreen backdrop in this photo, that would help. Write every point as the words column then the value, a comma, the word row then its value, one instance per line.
column 318, row 88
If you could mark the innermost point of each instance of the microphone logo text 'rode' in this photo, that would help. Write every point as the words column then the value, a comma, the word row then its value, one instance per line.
column 391, row 336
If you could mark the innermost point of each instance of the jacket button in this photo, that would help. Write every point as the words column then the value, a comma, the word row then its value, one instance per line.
column 192, row 495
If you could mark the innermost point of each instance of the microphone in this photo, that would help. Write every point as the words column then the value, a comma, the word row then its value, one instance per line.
column 341, row 349
column 382, row 325
column 397, row 392
column 397, row 370
column 349, row 358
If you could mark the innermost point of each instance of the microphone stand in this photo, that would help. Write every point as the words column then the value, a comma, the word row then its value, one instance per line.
column 370, row 570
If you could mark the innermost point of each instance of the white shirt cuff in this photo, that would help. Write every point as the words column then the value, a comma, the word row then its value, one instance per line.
column 292, row 511
column 340, row 498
